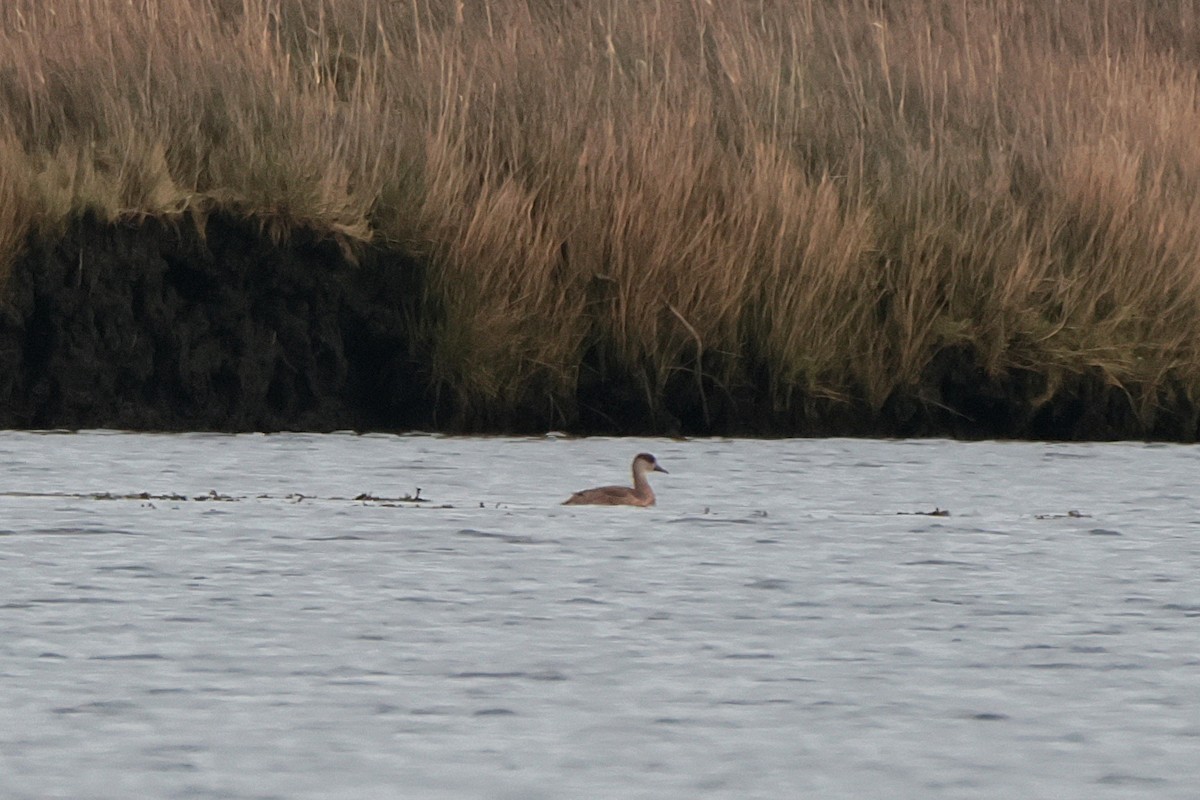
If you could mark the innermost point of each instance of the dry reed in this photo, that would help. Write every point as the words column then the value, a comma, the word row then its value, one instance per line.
column 809, row 198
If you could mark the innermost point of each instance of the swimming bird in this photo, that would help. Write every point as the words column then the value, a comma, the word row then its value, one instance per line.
column 640, row 495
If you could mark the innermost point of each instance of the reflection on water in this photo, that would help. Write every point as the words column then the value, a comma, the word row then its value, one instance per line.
column 244, row 617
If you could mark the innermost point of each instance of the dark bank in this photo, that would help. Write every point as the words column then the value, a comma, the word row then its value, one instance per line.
column 168, row 326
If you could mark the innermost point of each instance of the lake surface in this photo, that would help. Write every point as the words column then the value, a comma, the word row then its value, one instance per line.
column 788, row 621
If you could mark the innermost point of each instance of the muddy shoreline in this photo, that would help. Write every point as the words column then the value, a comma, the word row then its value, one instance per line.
column 162, row 326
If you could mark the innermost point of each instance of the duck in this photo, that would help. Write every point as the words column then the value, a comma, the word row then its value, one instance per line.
column 640, row 495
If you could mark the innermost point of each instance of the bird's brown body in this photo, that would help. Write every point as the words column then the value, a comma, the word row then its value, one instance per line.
column 639, row 495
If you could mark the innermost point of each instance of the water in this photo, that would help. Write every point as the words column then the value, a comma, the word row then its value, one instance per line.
column 783, row 624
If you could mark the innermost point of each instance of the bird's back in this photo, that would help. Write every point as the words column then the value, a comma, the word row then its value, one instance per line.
column 609, row 496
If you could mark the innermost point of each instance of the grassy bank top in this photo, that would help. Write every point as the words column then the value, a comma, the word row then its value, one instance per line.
column 807, row 200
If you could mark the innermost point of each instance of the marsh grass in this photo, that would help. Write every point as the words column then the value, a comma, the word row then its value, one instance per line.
column 798, row 199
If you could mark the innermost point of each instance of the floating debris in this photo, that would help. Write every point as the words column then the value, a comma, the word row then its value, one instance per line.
column 1072, row 514
column 214, row 496
column 367, row 497
column 111, row 496
column 937, row 512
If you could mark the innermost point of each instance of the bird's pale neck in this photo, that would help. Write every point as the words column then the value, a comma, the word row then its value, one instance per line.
column 641, row 485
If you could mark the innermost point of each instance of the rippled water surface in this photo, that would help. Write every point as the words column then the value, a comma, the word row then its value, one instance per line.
column 789, row 621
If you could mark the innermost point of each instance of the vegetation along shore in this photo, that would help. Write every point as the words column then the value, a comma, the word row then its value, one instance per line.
column 938, row 217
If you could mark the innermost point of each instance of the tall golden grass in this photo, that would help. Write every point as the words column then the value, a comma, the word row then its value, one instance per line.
column 813, row 198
